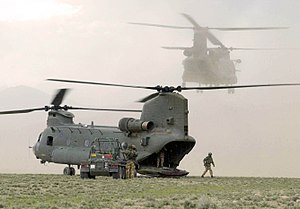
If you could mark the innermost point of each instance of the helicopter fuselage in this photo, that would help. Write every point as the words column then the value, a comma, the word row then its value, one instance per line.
column 163, row 126
column 210, row 69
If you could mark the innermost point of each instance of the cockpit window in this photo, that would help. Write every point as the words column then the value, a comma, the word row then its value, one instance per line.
column 50, row 140
column 39, row 139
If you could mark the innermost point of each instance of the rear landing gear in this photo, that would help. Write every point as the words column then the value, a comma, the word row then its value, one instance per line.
column 69, row 171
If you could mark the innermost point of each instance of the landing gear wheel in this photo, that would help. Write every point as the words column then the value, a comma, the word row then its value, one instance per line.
column 69, row 171
column 72, row 171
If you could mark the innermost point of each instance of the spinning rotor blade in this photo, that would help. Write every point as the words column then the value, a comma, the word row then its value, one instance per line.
column 250, row 28
column 245, row 48
column 157, row 88
column 197, row 27
column 176, row 48
column 46, row 108
column 209, row 28
column 205, row 30
column 238, row 86
column 102, row 84
column 101, row 109
column 178, row 88
column 151, row 96
column 208, row 34
column 161, row 26
column 21, row 111
column 57, row 100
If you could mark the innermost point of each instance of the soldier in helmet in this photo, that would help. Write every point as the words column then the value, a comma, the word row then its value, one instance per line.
column 207, row 164
column 130, row 156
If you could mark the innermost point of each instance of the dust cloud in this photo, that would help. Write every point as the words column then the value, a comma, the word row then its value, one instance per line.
column 254, row 132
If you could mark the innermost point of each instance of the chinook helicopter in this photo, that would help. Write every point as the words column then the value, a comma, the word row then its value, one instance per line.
column 162, row 126
column 209, row 65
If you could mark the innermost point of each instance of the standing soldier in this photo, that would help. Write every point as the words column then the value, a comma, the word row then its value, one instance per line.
column 207, row 164
column 161, row 158
column 130, row 156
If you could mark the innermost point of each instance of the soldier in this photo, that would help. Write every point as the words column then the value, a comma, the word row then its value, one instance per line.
column 207, row 164
column 130, row 156
column 161, row 158
column 93, row 150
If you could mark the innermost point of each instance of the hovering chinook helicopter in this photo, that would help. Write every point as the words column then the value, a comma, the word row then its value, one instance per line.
column 162, row 126
column 209, row 65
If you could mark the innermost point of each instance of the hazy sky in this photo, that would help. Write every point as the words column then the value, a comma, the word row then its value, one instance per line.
column 254, row 132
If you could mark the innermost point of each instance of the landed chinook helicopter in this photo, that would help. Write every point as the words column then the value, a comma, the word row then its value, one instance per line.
column 209, row 65
column 162, row 126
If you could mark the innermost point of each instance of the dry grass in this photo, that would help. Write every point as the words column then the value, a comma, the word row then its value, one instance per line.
column 58, row 191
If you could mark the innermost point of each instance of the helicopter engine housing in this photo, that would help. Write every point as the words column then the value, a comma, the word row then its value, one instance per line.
column 135, row 125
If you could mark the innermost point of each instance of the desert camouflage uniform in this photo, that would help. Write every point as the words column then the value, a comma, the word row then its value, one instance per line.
column 130, row 155
column 207, row 164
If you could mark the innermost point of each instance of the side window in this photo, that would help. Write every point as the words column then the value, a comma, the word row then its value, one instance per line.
column 50, row 140
column 40, row 136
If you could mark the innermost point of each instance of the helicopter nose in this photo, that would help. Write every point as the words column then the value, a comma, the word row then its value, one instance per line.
column 34, row 148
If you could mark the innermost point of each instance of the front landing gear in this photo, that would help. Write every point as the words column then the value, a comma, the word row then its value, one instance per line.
column 69, row 171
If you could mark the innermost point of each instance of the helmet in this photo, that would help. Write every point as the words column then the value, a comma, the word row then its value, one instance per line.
column 124, row 145
column 133, row 146
column 209, row 153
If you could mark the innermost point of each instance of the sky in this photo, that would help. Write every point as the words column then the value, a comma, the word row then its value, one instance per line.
column 254, row 132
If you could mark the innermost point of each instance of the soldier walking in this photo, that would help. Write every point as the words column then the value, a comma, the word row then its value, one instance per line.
column 207, row 164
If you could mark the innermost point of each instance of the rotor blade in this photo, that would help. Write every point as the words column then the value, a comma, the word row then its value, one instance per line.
column 102, row 84
column 151, row 96
column 249, row 28
column 238, row 86
column 191, row 20
column 21, row 111
column 209, row 28
column 161, row 26
column 57, row 100
column 169, row 89
column 103, row 109
column 197, row 26
column 249, row 48
column 213, row 39
column 208, row 34
column 178, row 48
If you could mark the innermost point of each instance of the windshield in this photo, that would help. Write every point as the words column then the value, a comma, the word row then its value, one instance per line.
column 105, row 146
